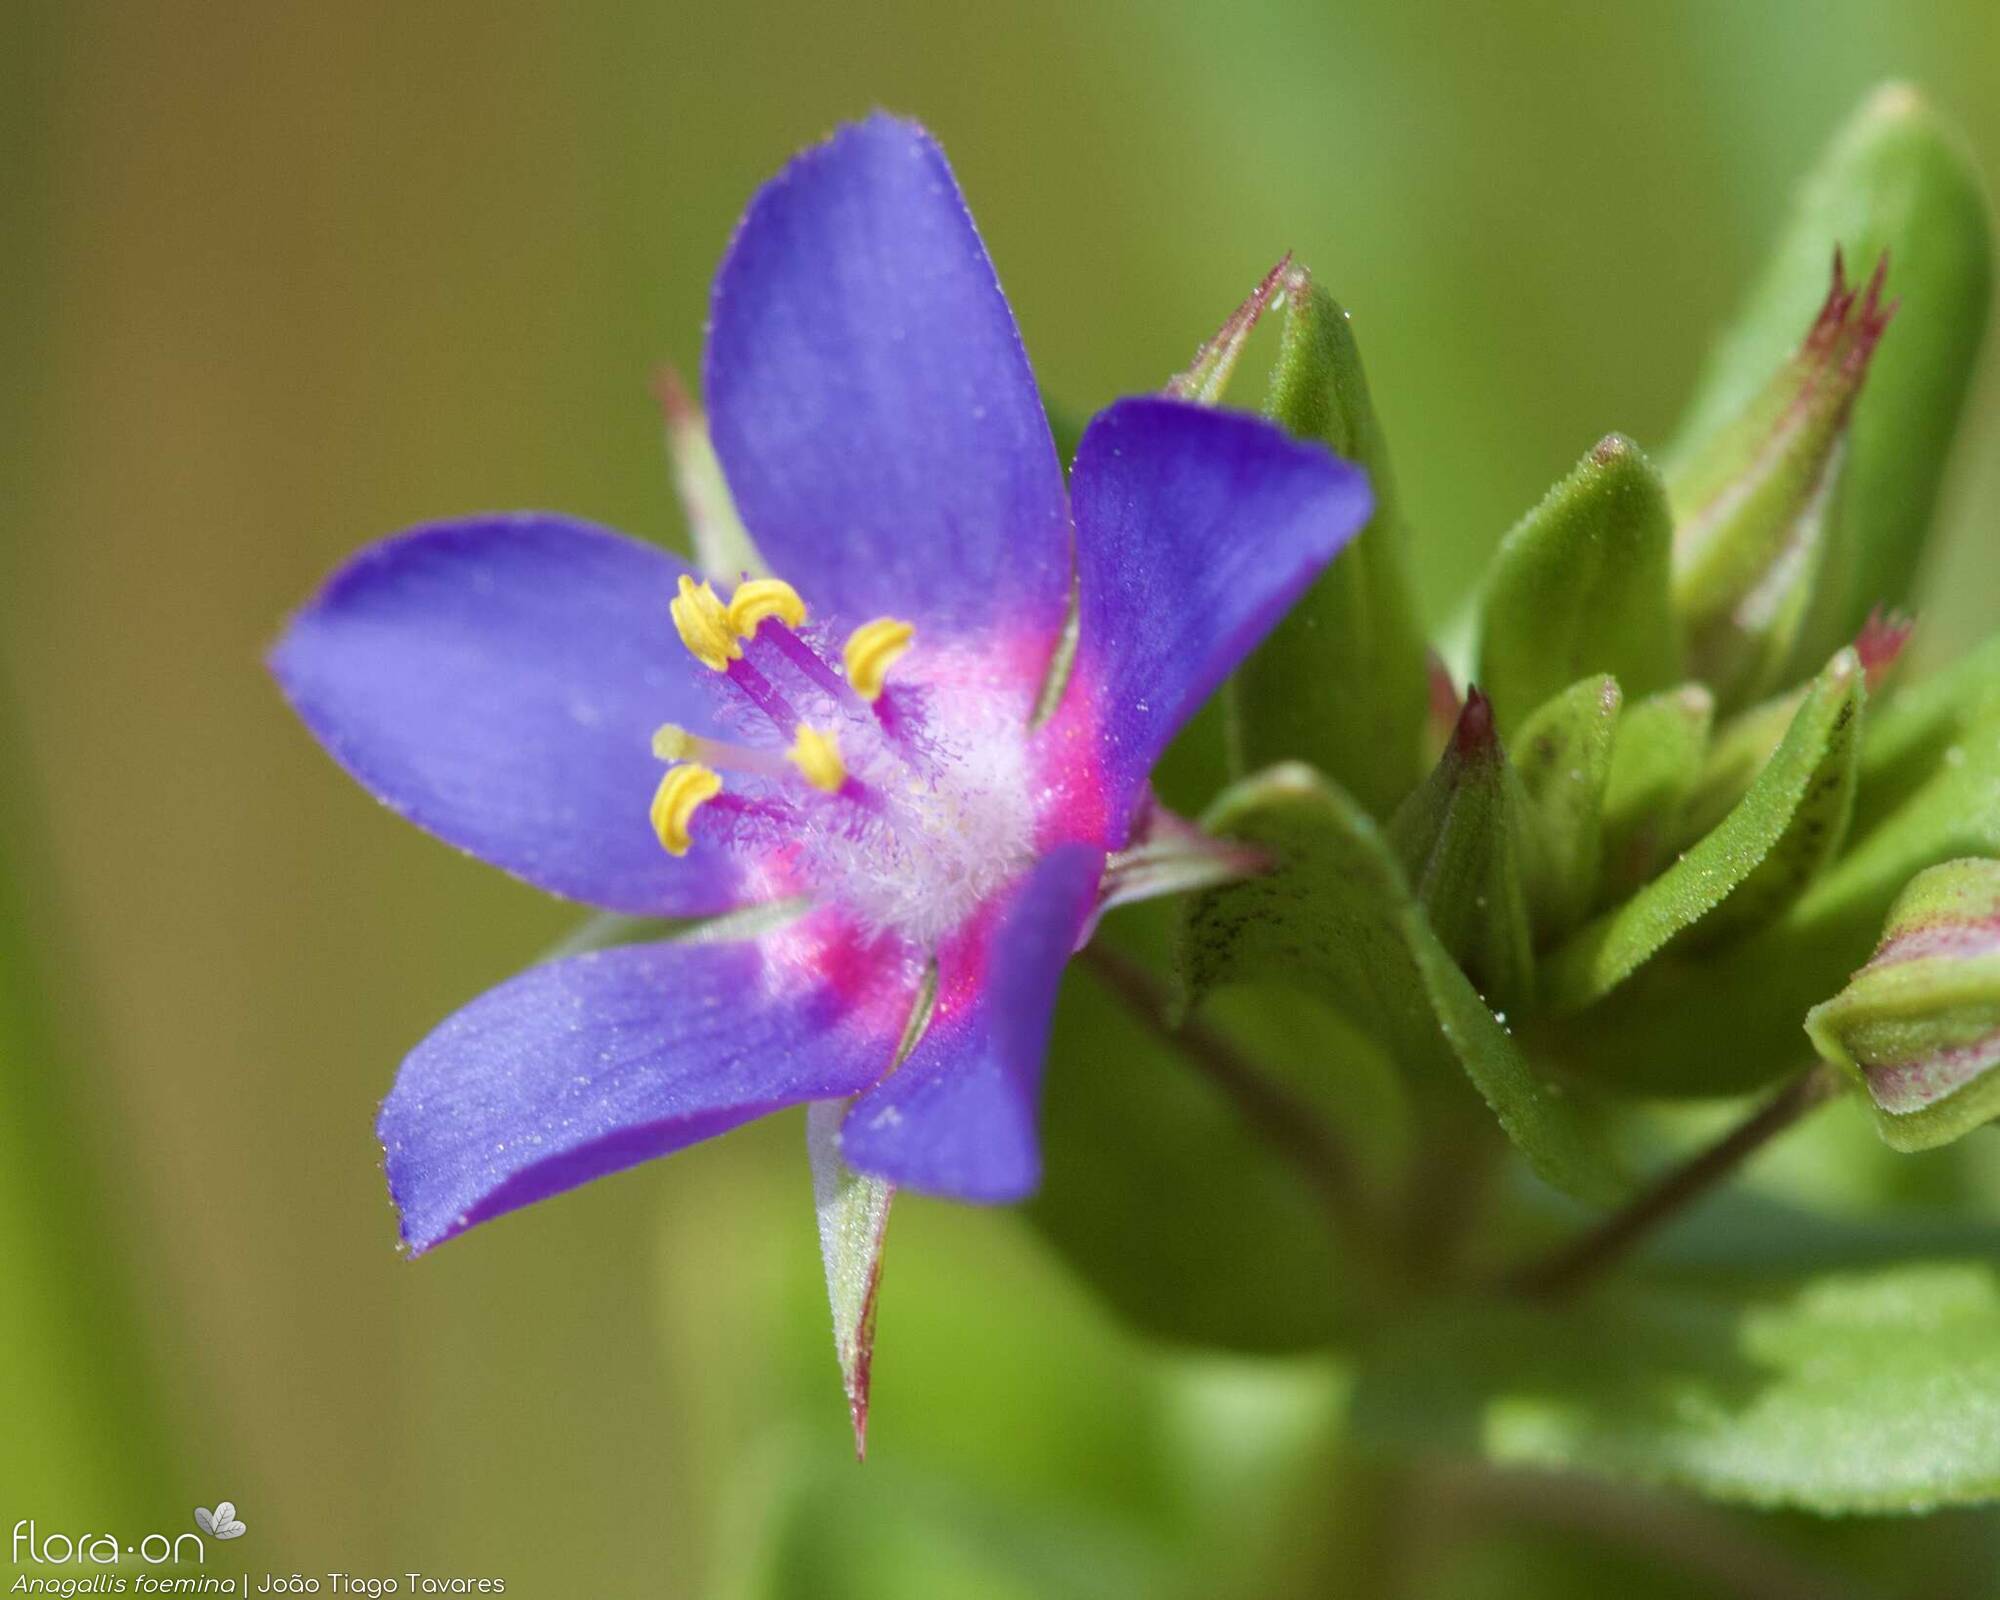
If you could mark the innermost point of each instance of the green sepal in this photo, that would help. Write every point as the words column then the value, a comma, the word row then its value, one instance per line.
column 1206, row 378
column 1336, row 917
column 1580, row 586
column 1755, row 861
column 1739, row 749
column 603, row 930
column 1919, row 1026
column 1949, row 814
column 1656, row 761
column 1853, row 1392
column 852, row 1211
column 1465, row 842
column 1166, row 854
column 1563, row 753
column 1342, row 682
column 1327, row 918
column 1820, row 819
column 1563, row 1147
column 722, row 546
column 1895, row 181
column 1743, row 744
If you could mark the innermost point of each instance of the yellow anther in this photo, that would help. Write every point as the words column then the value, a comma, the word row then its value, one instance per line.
column 758, row 598
column 704, row 626
column 682, row 792
column 872, row 649
column 672, row 743
column 817, row 756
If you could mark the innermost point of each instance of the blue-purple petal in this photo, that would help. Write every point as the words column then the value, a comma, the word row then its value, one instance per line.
column 1196, row 530
column 958, row 1118
column 497, row 681
column 871, row 401
column 585, row 1066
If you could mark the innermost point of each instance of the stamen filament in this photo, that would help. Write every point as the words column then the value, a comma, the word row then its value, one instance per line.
column 763, row 695
column 889, row 713
column 857, row 793
column 674, row 743
column 808, row 661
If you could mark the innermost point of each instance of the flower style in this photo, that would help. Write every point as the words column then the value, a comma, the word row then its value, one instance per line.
column 860, row 734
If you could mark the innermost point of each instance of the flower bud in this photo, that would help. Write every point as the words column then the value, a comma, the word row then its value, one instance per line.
column 1463, row 840
column 1920, row 1024
column 1753, row 510
column 1341, row 682
column 1897, row 181
column 1579, row 586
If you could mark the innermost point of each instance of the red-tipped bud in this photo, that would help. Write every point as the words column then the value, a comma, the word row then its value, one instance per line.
column 1754, row 510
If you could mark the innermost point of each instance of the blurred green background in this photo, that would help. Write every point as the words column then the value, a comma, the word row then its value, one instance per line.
column 279, row 279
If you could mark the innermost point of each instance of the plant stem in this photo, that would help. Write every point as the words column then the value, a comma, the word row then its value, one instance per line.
column 1575, row 1264
column 1285, row 1120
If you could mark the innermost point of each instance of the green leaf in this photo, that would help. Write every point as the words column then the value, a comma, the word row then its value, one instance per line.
column 1337, row 918
column 1656, row 760
column 1462, row 839
column 1342, row 681
column 1897, row 180
column 1563, row 753
column 1759, row 858
column 1859, row 1392
column 1579, row 587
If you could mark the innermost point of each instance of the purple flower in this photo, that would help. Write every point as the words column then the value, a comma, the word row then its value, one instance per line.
column 861, row 737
